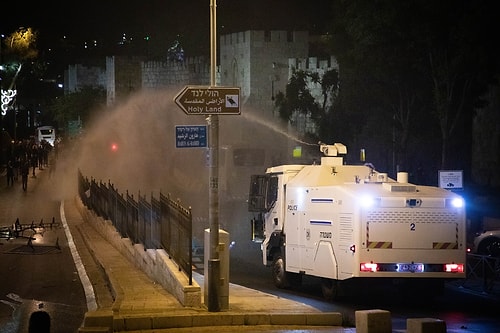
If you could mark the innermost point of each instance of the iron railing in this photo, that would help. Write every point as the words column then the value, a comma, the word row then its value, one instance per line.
column 158, row 223
column 483, row 270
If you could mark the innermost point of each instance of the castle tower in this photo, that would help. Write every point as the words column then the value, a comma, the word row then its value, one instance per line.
column 257, row 62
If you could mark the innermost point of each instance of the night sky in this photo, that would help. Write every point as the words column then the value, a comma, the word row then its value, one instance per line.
column 162, row 20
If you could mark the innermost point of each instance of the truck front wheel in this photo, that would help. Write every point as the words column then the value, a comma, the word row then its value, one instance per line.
column 279, row 272
column 329, row 288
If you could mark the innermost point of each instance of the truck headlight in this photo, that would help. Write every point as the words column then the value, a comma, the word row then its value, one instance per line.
column 368, row 201
column 455, row 203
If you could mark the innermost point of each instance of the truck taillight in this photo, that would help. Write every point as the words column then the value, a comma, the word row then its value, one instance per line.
column 454, row 268
column 368, row 267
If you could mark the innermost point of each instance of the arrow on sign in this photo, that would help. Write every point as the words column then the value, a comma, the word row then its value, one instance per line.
column 204, row 100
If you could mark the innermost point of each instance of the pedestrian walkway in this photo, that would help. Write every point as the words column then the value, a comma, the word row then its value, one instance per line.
column 140, row 304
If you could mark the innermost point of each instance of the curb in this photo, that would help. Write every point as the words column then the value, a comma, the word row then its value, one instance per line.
column 106, row 319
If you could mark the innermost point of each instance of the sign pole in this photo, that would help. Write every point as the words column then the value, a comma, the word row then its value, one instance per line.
column 213, row 195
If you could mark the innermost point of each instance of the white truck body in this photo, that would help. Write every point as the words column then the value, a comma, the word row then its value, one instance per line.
column 47, row 133
column 339, row 222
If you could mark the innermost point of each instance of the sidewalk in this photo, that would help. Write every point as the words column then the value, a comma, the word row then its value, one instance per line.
column 138, row 303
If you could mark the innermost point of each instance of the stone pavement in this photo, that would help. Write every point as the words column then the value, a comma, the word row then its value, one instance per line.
column 137, row 303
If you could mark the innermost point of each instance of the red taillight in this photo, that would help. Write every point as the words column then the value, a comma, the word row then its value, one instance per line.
column 368, row 267
column 454, row 268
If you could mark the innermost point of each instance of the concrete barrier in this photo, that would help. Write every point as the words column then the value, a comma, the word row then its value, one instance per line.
column 425, row 325
column 97, row 321
column 373, row 321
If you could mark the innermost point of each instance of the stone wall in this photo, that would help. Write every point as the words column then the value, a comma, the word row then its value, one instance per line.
column 257, row 62
column 192, row 71
column 155, row 263
column 78, row 76
column 123, row 76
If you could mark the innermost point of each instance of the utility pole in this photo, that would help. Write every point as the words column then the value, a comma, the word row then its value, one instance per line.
column 213, row 101
column 213, row 200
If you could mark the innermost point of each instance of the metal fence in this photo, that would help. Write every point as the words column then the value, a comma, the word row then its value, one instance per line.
column 484, row 270
column 158, row 223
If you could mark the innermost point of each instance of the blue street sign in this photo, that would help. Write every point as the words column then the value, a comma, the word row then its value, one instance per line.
column 190, row 136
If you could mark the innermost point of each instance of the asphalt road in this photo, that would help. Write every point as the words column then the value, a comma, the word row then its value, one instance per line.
column 464, row 310
column 37, row 274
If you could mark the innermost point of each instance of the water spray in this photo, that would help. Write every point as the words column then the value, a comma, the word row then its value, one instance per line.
column 275, row 128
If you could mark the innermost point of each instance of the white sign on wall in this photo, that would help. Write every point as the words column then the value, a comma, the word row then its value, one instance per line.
column 451, row 179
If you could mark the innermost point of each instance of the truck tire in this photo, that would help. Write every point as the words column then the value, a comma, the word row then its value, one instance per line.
column 279, row 273
column 329, row 289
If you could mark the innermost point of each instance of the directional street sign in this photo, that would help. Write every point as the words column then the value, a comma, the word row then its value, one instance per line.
column 190, row 136
column 204, row 100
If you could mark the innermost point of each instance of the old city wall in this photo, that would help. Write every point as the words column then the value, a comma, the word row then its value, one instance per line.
column 191, row 71
column 78, row 76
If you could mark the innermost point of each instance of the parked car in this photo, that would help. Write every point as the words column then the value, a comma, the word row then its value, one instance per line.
column 487, row 243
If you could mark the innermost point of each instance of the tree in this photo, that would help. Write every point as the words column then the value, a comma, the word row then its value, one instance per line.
column 460, row 64
column 19, row 48
column 298, row 103
column 416, row 65
column 81, row 105
column 329, row 87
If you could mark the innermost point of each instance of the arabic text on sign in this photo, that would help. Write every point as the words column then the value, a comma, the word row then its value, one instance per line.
column 190, row 136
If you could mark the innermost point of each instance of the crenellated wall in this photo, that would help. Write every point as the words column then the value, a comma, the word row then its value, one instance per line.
column 257, row 62
column 192, row 71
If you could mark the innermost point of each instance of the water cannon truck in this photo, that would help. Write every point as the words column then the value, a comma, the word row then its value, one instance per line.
column 343, row 223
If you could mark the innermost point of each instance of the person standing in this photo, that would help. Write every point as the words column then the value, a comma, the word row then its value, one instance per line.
column 34, row 159
column 25, row 170
column 10, row 173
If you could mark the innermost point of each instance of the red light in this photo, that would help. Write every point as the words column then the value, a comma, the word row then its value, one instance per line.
column 368, row 267
column 454, row 268
column 114, row 147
